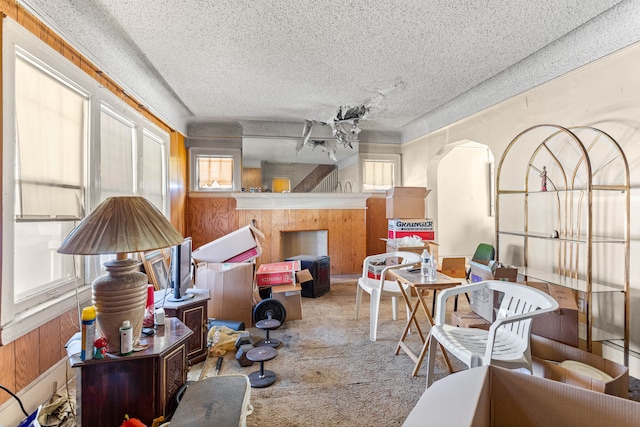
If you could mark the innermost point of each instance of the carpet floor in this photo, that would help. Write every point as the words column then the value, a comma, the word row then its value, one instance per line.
column 330, row 373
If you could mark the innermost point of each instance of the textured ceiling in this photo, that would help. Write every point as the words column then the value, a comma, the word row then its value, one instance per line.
column 275, row 60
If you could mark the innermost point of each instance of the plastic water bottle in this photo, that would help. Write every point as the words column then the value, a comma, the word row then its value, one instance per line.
column 433, row 272
column 425, row 263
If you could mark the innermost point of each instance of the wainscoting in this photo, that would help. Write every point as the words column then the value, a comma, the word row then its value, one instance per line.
column 212, row 216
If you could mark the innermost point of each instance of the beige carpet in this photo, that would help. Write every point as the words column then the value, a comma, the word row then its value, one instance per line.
column 329, row 373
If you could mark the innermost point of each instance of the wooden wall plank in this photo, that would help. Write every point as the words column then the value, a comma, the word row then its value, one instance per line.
column 178, row 182
column 51, row 345
column 210, row 218
column 8, row 370
column 27, row 361
column 376, row 225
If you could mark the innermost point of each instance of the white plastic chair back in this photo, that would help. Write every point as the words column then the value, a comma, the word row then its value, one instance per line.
column 382, row 287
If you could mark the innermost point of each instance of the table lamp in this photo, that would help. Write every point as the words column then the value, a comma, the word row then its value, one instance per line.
column 120, row 225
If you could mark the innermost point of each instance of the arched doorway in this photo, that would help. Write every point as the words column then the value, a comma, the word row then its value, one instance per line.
column 462, row 199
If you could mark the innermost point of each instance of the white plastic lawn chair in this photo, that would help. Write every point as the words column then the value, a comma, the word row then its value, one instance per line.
column 506, row 343
column 381, row 287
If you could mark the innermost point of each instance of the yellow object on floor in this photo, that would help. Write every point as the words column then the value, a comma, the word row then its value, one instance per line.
column 222, row 339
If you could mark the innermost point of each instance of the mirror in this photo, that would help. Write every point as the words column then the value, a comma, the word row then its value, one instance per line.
column 265, row 159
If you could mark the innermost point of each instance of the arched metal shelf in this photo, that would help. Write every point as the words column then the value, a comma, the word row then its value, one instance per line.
column 562, row 214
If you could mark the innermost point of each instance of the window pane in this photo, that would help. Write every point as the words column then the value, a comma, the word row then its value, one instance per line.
column 153, row 181
column 37, row 265
column 215, row 173
column 50, row 135
column 378, row 175
column 116, row 156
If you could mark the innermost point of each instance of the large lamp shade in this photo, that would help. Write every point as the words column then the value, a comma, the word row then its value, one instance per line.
column 120, row 225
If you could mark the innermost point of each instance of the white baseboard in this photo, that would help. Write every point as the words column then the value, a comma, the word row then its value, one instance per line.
column 36, row 393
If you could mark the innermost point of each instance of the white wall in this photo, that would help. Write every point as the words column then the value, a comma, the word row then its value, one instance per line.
column 604, row 94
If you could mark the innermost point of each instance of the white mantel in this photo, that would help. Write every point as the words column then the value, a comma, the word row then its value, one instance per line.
column 251, row 201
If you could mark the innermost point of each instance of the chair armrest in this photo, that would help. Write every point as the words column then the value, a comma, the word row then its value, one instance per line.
column 383, row 275
column 511, row 319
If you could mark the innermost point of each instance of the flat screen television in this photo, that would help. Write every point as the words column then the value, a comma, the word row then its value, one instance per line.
column 181, row 272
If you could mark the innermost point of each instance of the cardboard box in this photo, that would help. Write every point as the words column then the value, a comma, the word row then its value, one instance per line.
column 493, row 396
column 454, row 267
column 468, row 319
column 562, row 324
column 291, row 298
column 231, row 289
column 485, row 302
column 394, row 245
column 406, row 202
column 546, row 355
column 238, row 246
column 277, row 273
column 423, row 228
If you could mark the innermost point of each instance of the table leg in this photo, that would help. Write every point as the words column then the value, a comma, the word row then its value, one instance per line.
column 425, row 345
column 410, row 320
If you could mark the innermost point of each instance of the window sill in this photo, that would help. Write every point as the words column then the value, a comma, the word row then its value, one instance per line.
column 37, row 316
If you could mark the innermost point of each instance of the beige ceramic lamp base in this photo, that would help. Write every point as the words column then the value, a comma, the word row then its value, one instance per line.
column 120, row 295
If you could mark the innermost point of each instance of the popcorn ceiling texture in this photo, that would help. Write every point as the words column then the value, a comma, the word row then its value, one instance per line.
column 271, row 60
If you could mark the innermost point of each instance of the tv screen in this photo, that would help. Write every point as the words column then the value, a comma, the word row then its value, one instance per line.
column 181, row 274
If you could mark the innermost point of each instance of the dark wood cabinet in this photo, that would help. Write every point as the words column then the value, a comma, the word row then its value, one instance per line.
column 142, row 384
column 193, row 313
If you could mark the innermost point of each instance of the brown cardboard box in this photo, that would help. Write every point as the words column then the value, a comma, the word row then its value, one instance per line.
column 406, row 202
column 432, row 247
column 291, row 295
column 547, row 353
column 231, row 289
column 291, row 298
column 454, row 267
column 562, row 324
column 469, row 319
column 493, row 396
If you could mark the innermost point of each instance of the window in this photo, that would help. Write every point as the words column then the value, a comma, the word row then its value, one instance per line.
column 117, row 148
column 215, row 169
column 378, row 175
column 215, row 173
column 74, row 145
column 51, row 136
column 154, row 170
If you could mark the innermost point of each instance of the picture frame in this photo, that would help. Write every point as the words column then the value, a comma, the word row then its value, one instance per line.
column 155, row 265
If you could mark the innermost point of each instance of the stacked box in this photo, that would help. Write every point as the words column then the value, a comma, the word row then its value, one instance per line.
column 277, row 273
column 422, row 228
column 406, row 202
column 238, row 246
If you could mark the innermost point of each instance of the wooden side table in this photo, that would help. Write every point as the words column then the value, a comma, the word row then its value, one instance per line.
column 420, row 285
column 193, row 313
column 142, row 384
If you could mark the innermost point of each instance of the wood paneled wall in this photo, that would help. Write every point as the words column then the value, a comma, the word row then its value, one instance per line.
column 178, row 182
column 377, row 225
column 209, row 218
column 31, row 355
column 353, row 233
column 346, row 229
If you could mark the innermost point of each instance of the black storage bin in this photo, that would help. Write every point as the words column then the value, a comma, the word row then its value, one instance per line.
column 320, row 270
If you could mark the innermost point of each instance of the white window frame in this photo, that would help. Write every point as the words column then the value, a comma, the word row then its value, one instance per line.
column 13, row 321
column 195, row 152
column 377, row 157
